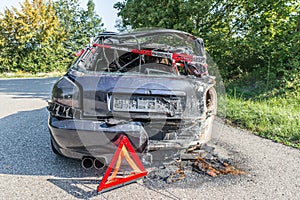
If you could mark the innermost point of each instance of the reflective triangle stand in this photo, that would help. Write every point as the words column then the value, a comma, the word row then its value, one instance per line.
column 125, row 150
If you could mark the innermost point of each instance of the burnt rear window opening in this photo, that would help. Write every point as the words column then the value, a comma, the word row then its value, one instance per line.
column 157, row 53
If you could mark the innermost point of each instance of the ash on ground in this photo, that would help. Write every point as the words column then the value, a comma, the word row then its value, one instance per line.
column 197, row 164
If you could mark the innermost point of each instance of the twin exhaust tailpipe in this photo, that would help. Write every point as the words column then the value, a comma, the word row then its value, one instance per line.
column 89, row 162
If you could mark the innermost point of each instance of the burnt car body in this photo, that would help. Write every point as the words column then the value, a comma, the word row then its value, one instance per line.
column 152, row 86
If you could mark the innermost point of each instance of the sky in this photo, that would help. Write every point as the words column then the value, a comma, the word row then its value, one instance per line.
column 104, row 8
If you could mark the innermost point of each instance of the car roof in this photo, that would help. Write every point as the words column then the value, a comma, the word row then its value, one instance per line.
column 163, row 39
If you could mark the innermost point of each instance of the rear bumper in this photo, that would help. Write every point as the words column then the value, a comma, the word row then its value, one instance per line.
column 78, row 138
column 75, row 138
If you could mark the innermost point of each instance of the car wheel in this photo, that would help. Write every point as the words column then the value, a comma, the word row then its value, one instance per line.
column 211, row 111
column 55, row 150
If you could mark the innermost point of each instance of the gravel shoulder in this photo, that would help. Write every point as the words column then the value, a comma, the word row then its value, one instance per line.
column 29, row 170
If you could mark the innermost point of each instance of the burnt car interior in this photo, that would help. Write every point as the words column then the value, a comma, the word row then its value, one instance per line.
column 152, row 56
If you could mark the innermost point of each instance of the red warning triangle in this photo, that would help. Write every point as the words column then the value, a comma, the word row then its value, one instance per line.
column 125, row 150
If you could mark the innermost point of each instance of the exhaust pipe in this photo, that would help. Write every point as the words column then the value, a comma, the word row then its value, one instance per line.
column 99, row 163
column 87, row 162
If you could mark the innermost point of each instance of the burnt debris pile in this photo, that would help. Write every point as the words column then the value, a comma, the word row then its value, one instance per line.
column 196, row 162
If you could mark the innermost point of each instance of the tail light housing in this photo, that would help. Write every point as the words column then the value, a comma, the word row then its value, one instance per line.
column 66, row 92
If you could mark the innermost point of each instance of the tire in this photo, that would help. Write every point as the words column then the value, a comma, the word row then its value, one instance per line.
column 55, row 151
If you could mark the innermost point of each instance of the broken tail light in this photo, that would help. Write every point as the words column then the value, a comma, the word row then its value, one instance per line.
column 62, row 111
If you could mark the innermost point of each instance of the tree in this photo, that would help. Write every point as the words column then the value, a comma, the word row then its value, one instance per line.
column 43, row 35
column 78, row 24
column 26, row 36
column 91, row 22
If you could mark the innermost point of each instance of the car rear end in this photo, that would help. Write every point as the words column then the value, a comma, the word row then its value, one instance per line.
column 112, row 90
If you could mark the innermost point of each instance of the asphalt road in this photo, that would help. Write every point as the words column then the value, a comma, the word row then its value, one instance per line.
column 29, row 169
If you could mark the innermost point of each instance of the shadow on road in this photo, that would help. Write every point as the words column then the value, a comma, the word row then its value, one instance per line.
column 79, row 188
column 25, row 148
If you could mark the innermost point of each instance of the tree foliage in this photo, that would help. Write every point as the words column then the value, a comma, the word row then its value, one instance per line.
column 242, row 35
column 78, row 24
column 42, row 35
column 26, row 36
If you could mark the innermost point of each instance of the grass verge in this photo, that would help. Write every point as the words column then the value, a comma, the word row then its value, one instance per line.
column 267, row 113
column 275, row 119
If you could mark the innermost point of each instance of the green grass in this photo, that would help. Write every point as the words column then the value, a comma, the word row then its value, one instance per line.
column 272, row 113
column 276, row 119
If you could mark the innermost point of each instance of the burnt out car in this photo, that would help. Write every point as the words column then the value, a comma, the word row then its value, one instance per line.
column 152, row 86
